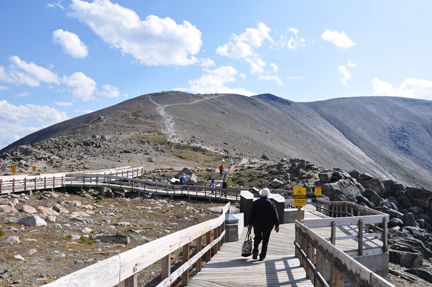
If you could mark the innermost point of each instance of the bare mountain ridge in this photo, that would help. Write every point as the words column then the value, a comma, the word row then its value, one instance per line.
column 387, row 137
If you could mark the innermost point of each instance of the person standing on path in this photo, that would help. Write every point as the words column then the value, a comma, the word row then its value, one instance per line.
column 221, row 169
column 262, row 216
column 212, row 185
column 182, row 181
column 231, row 163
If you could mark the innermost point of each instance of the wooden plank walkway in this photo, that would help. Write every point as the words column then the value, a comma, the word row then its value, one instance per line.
column 281, row 267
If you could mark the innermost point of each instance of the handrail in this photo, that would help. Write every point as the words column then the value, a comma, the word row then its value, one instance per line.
column 126, row 265
column 343, row 265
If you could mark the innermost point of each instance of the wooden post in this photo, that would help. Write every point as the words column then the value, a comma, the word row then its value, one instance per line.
column 1, row 185
column 132, row 281
column 132, row 185
column 219, row 244
column 36, row 182
column 333, row 233
column 198, row 266
column 299, row 213
column 385, row 231
column 166, row 267
column 310, row 252
column 215, row 236
column 25, row 183
column 208, row 240
column 13, row 185
column 62, row 181
column 360, row 237
column 53, row 182
column 321, row 265
column 185, row 275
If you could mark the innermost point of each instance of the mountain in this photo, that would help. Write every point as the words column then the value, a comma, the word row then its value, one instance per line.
column 387, row 137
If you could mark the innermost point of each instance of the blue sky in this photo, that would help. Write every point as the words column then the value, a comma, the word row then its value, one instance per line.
column 62, row 59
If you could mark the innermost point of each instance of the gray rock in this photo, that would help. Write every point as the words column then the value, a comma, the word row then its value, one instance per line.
column 342, row 190
column 416, row 210
column 118, row 238
column 405, row 258
column 361, row 199
column 33, row 221
column 409, row 219
column 372, row 196
column 12, row 240
column 276, row 183
column 325, row 177
column 395, row 222
column 393, row 213
column 423, row 274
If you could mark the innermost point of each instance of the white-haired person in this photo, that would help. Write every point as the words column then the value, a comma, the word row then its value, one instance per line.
column 262, row 216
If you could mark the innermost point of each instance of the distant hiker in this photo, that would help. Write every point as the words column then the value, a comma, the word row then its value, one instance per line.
column 227, row 152
column 224, row 185
column 103, row 138
column 182, row 181
column 221, row 169
column 231, row 162
column 212, row 185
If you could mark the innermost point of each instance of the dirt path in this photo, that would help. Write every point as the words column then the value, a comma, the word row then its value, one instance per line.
column 169, row 121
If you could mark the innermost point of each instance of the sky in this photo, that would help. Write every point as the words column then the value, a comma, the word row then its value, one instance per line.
column 63, row 59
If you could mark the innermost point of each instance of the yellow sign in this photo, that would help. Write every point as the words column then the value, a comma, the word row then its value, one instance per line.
column 318, row 191
column 33, row 168
column 299, row 194
column 13, row 169
column 129, row 160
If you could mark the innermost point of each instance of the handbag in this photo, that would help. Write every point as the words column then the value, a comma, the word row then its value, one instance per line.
column 247, row 245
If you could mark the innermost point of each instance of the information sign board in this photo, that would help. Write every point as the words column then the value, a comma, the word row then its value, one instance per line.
column 318, row 191
column 299, row 194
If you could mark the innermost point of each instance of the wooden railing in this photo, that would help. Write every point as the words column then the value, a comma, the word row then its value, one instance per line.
column 314, row 251
column 126, row 266
column 22, row 183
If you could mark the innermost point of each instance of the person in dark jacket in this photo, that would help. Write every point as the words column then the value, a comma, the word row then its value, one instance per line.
column 262, row 216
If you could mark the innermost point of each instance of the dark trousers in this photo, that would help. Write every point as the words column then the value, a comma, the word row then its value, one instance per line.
column 261, row 234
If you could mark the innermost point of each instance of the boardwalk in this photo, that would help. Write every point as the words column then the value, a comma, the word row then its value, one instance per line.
column 281, row 267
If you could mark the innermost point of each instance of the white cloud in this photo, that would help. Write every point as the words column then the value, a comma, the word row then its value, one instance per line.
column 340, row 40
column 110, row 91
column 63, row 104
column 214, row 82
column 25, row 94
column 18, row 121
column 293, row 44
column 243, row 76
column 126, row 95
column 274, row 66
column 410, row 88
column 346, row 75
column 240, row 47
column 271, row 78
column 70, row 43
column 3, row 88
column 23, row 73
column 256, row 64
column 154, row 41
column 206, row 62
column 55, row 5
column 80, row 86
column 351, row 64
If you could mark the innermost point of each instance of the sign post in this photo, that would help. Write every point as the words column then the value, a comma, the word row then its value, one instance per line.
column 13, row 169
column 129, row 160
column 33, row 168
column 299, row 194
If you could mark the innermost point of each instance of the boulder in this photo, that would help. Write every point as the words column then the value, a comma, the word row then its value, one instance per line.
column 12, row 240
column 372, row 196
column 28, row 209
column 33, row 221
column 118, row 238
column 47, row 211
column 423, row 274
column 275, row 183
column 405, row 258
column 8, row 209
column 374, row 184
column 325, row 177
column 60, row 209
column 395, row 222
column 409, row 219
column 342, row 190
column 361, row 199
column 416, row 210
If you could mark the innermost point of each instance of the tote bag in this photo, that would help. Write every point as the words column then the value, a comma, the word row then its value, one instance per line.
column 247, row 245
